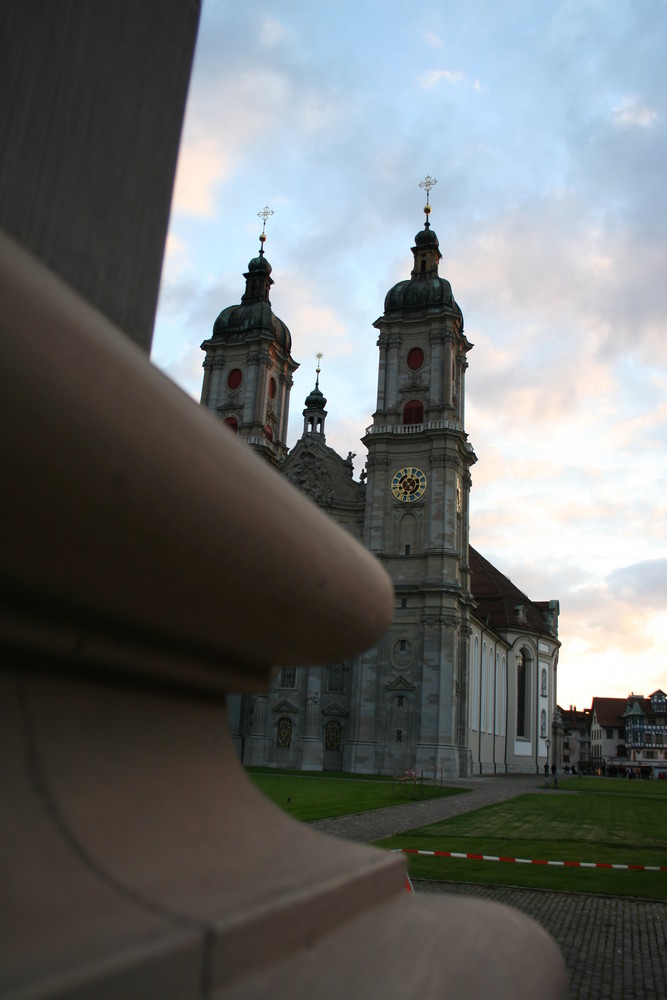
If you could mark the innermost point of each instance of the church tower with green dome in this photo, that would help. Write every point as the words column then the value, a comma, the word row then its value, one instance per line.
column 465, row 679
column 416, row 523
column 248, row 365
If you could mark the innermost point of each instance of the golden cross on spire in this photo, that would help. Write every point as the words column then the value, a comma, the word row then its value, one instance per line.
column 319, row 357
column 427, row 184
column 263, row 215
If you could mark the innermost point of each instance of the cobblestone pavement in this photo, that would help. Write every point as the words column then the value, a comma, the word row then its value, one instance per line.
column 614, row 948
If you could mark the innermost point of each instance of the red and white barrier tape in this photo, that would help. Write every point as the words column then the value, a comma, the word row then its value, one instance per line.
column 535, row 861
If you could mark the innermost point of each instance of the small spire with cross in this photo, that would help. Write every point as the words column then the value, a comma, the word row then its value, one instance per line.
column 264, row 215
column 319, row 357
column 428, row 183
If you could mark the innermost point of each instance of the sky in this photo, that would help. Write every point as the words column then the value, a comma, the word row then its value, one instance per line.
column 545, row 126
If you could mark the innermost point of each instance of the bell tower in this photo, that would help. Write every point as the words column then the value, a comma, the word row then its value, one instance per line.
column 416, row 523
column 248, row 366
column 314, row 414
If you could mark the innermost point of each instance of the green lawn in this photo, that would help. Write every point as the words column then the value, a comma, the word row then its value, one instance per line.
column 586, row 819
column 310, row 796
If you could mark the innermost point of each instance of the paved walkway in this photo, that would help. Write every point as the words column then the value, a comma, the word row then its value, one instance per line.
column 483, row 791
column 614, row 948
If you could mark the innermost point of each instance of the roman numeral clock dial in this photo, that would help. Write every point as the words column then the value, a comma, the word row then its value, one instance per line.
column 408, row 485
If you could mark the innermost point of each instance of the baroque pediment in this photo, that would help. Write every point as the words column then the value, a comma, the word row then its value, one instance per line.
column 334, row 710
column 285, row 707
column 415, row 387
column 321, row 473
column 400, row 684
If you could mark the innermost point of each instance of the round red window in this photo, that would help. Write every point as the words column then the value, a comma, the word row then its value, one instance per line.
column 272, row 388
column 415, row 358
column 232, row 423
column 235, row 378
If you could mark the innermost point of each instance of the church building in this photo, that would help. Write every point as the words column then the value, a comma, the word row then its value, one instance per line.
column 464, row 680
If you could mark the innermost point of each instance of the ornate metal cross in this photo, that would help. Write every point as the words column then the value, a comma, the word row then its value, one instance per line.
column 264, row 214
column 427, row 184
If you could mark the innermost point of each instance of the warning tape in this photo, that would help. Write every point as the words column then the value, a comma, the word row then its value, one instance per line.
column 535, row 861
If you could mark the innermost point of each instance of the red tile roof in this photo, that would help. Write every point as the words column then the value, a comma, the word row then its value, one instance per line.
column 497, row 598
column 575, row 719
column 609, row 711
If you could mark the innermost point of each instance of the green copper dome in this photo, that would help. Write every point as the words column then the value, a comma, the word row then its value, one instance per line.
column 235, row 322
column 417, row 293
column 255, row 312
column 424, row 289
column 315, row 400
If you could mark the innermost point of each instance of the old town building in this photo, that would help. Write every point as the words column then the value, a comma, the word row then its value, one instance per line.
column 574, row 728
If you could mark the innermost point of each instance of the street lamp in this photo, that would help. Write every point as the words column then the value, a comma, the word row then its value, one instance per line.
column 547, row 744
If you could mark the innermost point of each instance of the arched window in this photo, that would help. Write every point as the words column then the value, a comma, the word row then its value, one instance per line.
column 474, row 683
column 232, row 423
column 543, row 724
column 503, row 697
column 543, row 683
column 333, row 735
column 523, row 695
column 284, row 733
column 490, row 699
column 399, row 719
column 269, row 433
column 413, row 412
column 272, row 387
column 484, row 691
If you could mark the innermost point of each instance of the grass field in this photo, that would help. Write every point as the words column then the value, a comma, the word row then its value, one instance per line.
column 310, row 796
column 586, row 819
column 607, row 820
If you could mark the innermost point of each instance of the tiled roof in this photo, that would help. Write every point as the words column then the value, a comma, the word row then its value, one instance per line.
column 609, row 711
column 497, row 598
column 575, row 719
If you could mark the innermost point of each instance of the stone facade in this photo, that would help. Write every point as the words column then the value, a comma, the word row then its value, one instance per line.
column 464, row 680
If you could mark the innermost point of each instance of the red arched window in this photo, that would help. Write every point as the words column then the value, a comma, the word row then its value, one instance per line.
column 272, row 388
column 413, row 412
column 235, row 378
column 268, row 432
column 233, row 424
column 415, row 358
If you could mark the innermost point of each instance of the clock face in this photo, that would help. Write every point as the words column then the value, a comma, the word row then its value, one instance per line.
column 408, row 485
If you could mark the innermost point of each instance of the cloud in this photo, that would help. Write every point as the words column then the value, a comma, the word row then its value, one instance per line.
column 433, row 40
column 217, row 134
column 631, row 113
column 550, row 211
column 177, row 257
column 272, row 32
column 202, row 166
column 433, row 77
column 644, row 582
